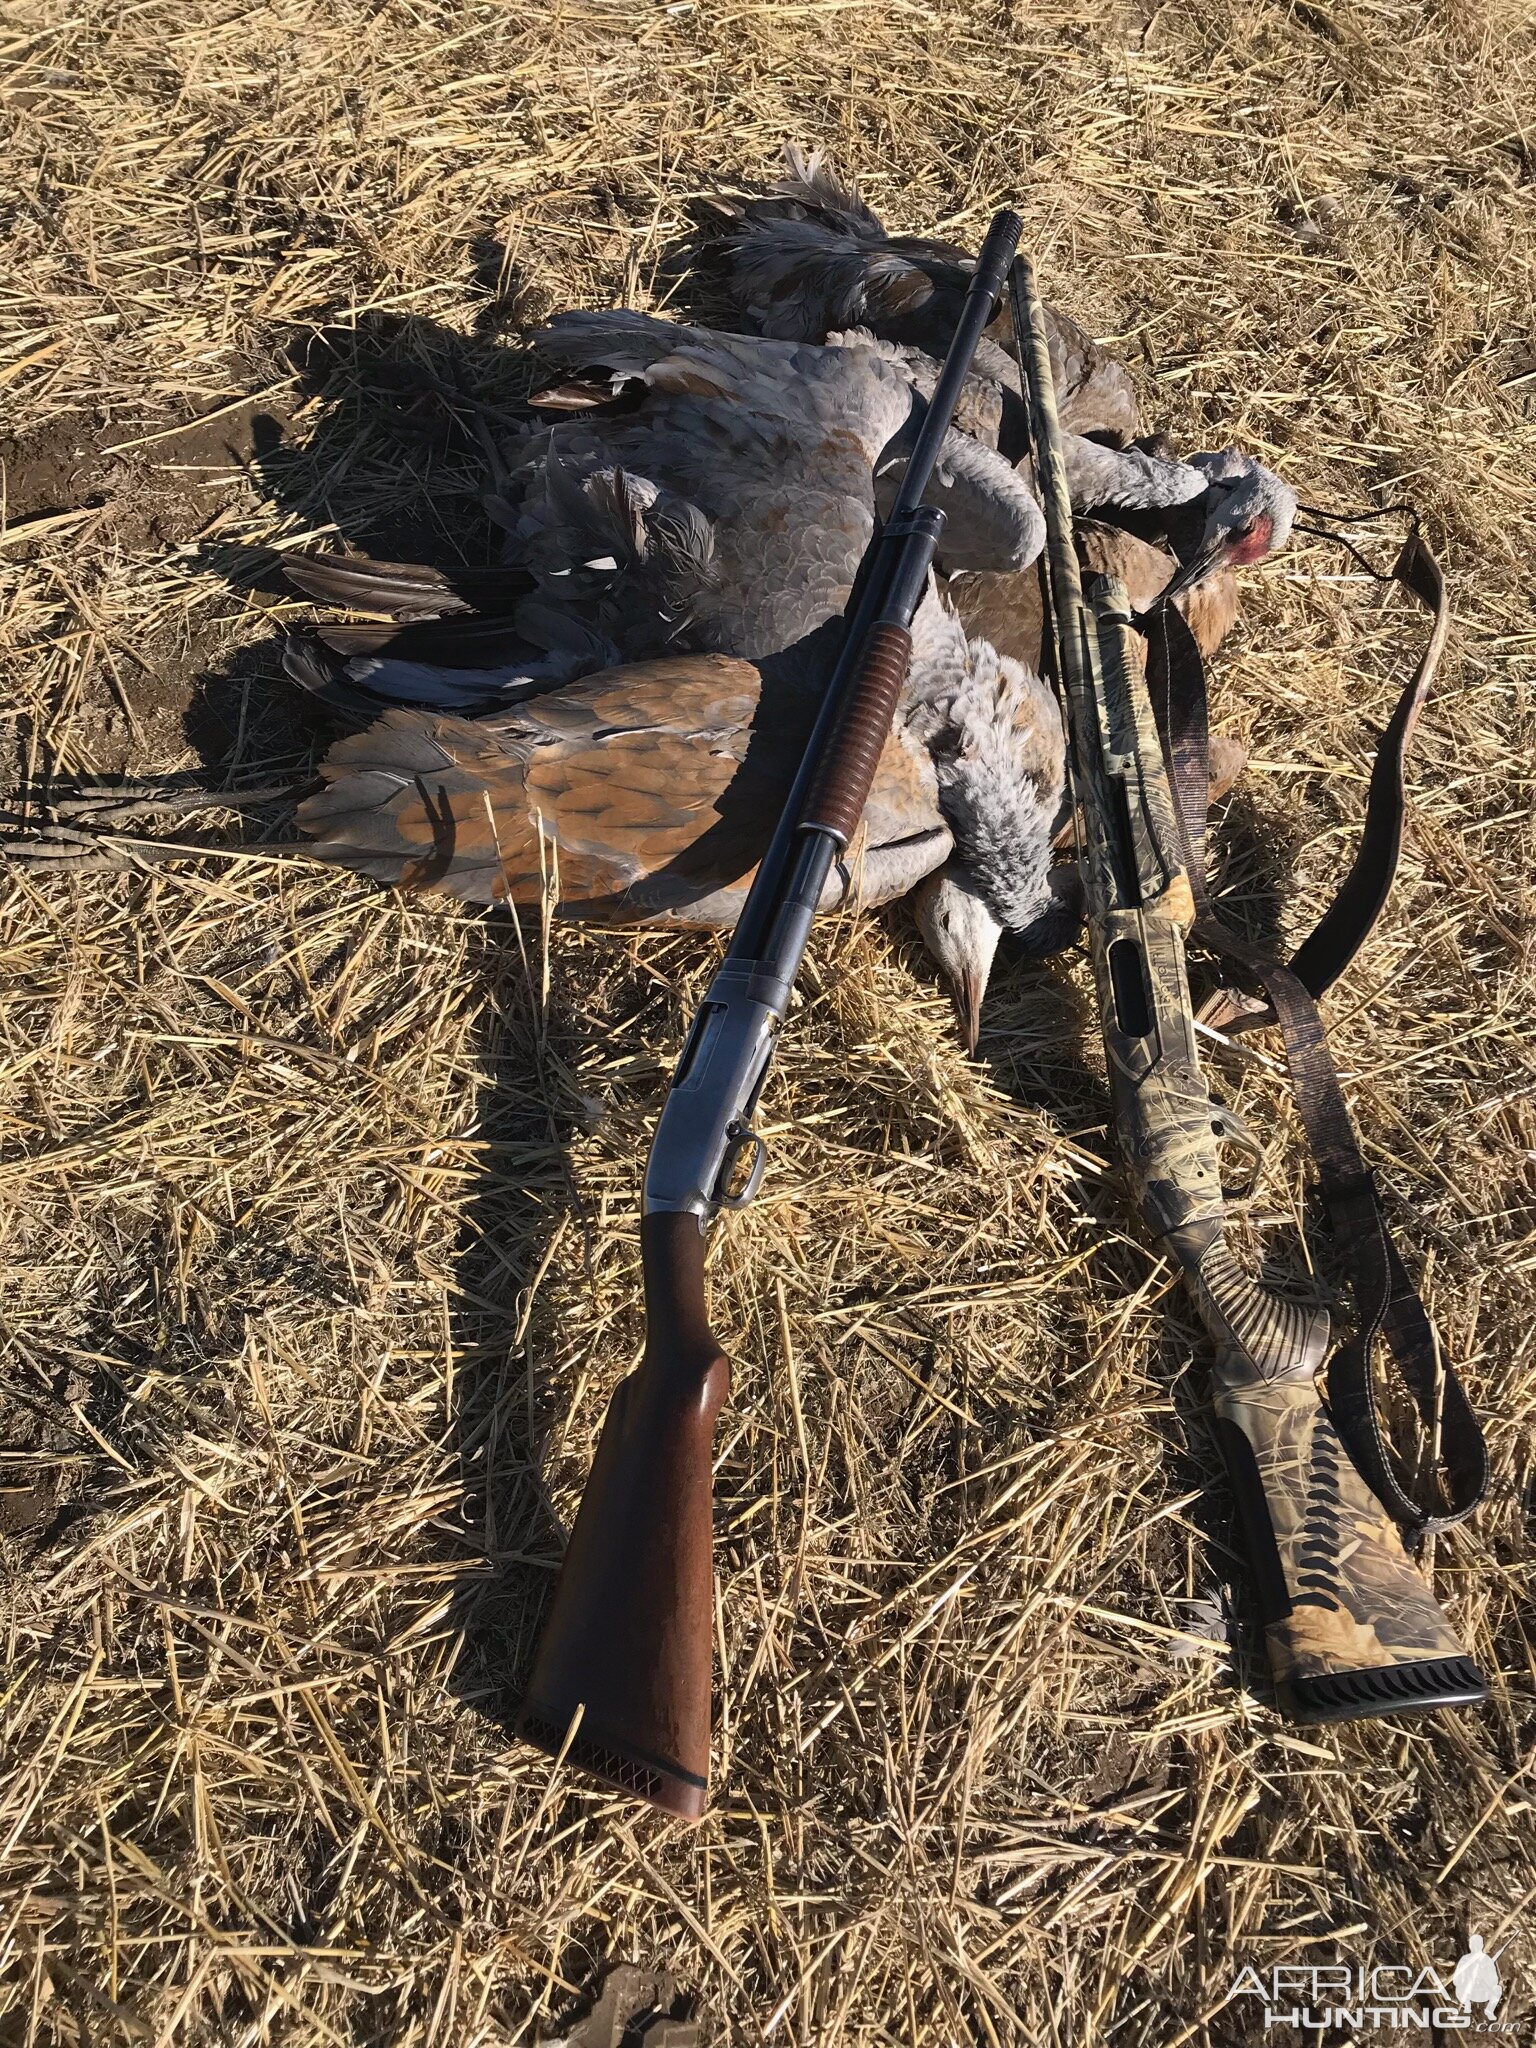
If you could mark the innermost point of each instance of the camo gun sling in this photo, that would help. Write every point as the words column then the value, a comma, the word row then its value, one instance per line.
column 1351, row 1627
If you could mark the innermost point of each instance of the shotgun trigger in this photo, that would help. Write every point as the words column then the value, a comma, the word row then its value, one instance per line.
column 740, row 1136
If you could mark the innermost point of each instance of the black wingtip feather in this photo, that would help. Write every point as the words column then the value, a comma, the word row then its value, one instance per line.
column 404, row 590
column 315, row 669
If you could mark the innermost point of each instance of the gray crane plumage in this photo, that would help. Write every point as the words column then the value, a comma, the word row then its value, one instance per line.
column 811, row 257
column 724, row 506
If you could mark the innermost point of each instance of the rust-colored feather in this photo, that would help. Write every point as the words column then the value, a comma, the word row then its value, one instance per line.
column 646, row 793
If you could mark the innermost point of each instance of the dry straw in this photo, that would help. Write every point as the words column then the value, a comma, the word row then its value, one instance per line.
column 320, row 1208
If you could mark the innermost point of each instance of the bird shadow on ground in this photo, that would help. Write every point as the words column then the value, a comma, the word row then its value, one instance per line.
column 395, row 467
column 407, row 399
column 393, row 464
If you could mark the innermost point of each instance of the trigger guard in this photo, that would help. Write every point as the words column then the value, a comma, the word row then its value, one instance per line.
column 1229, row 1129
column 741, row 1136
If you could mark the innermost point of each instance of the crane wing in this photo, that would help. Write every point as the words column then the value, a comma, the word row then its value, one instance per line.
column 644, row 793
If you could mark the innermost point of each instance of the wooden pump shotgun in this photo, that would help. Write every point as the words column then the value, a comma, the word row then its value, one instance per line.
column 1351, row 1627
column 621, row 1681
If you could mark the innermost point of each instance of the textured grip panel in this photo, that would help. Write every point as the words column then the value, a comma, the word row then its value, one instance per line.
column 842, row 785
column 660, row 1783
column 1388, row 1689
column 1260, row 1334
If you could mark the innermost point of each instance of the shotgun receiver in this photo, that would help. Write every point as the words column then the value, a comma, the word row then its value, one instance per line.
column 1351, row 1628
column 621, row 1681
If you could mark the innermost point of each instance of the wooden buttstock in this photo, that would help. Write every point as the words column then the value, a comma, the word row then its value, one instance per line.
column 630, row 1633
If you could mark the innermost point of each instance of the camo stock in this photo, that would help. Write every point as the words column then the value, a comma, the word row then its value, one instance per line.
column 1355, row 1601
column 1338, row 1592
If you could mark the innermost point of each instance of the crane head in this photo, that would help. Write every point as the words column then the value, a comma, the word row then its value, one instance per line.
column 1248, row 514
column 961, row 933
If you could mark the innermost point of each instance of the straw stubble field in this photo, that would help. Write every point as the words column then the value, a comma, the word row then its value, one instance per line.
column 320, row 1206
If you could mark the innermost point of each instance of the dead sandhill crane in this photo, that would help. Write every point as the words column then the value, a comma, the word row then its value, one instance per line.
column 646, row 794
column 1240, row 513
column 1214, row 509
column 624, row 560
column 811, row 258
column 1225, row 508
column 715, row 493
column 722, row 505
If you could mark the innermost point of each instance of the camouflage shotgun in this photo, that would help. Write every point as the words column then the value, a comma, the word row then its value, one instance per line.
column 1351, row 1627
column 620, row 1685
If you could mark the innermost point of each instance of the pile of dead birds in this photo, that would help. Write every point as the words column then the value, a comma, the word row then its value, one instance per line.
column 607, row 719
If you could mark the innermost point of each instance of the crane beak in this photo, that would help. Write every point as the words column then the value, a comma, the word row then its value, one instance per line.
column 1192, row 572
column 968, row 992
column 961, row 935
